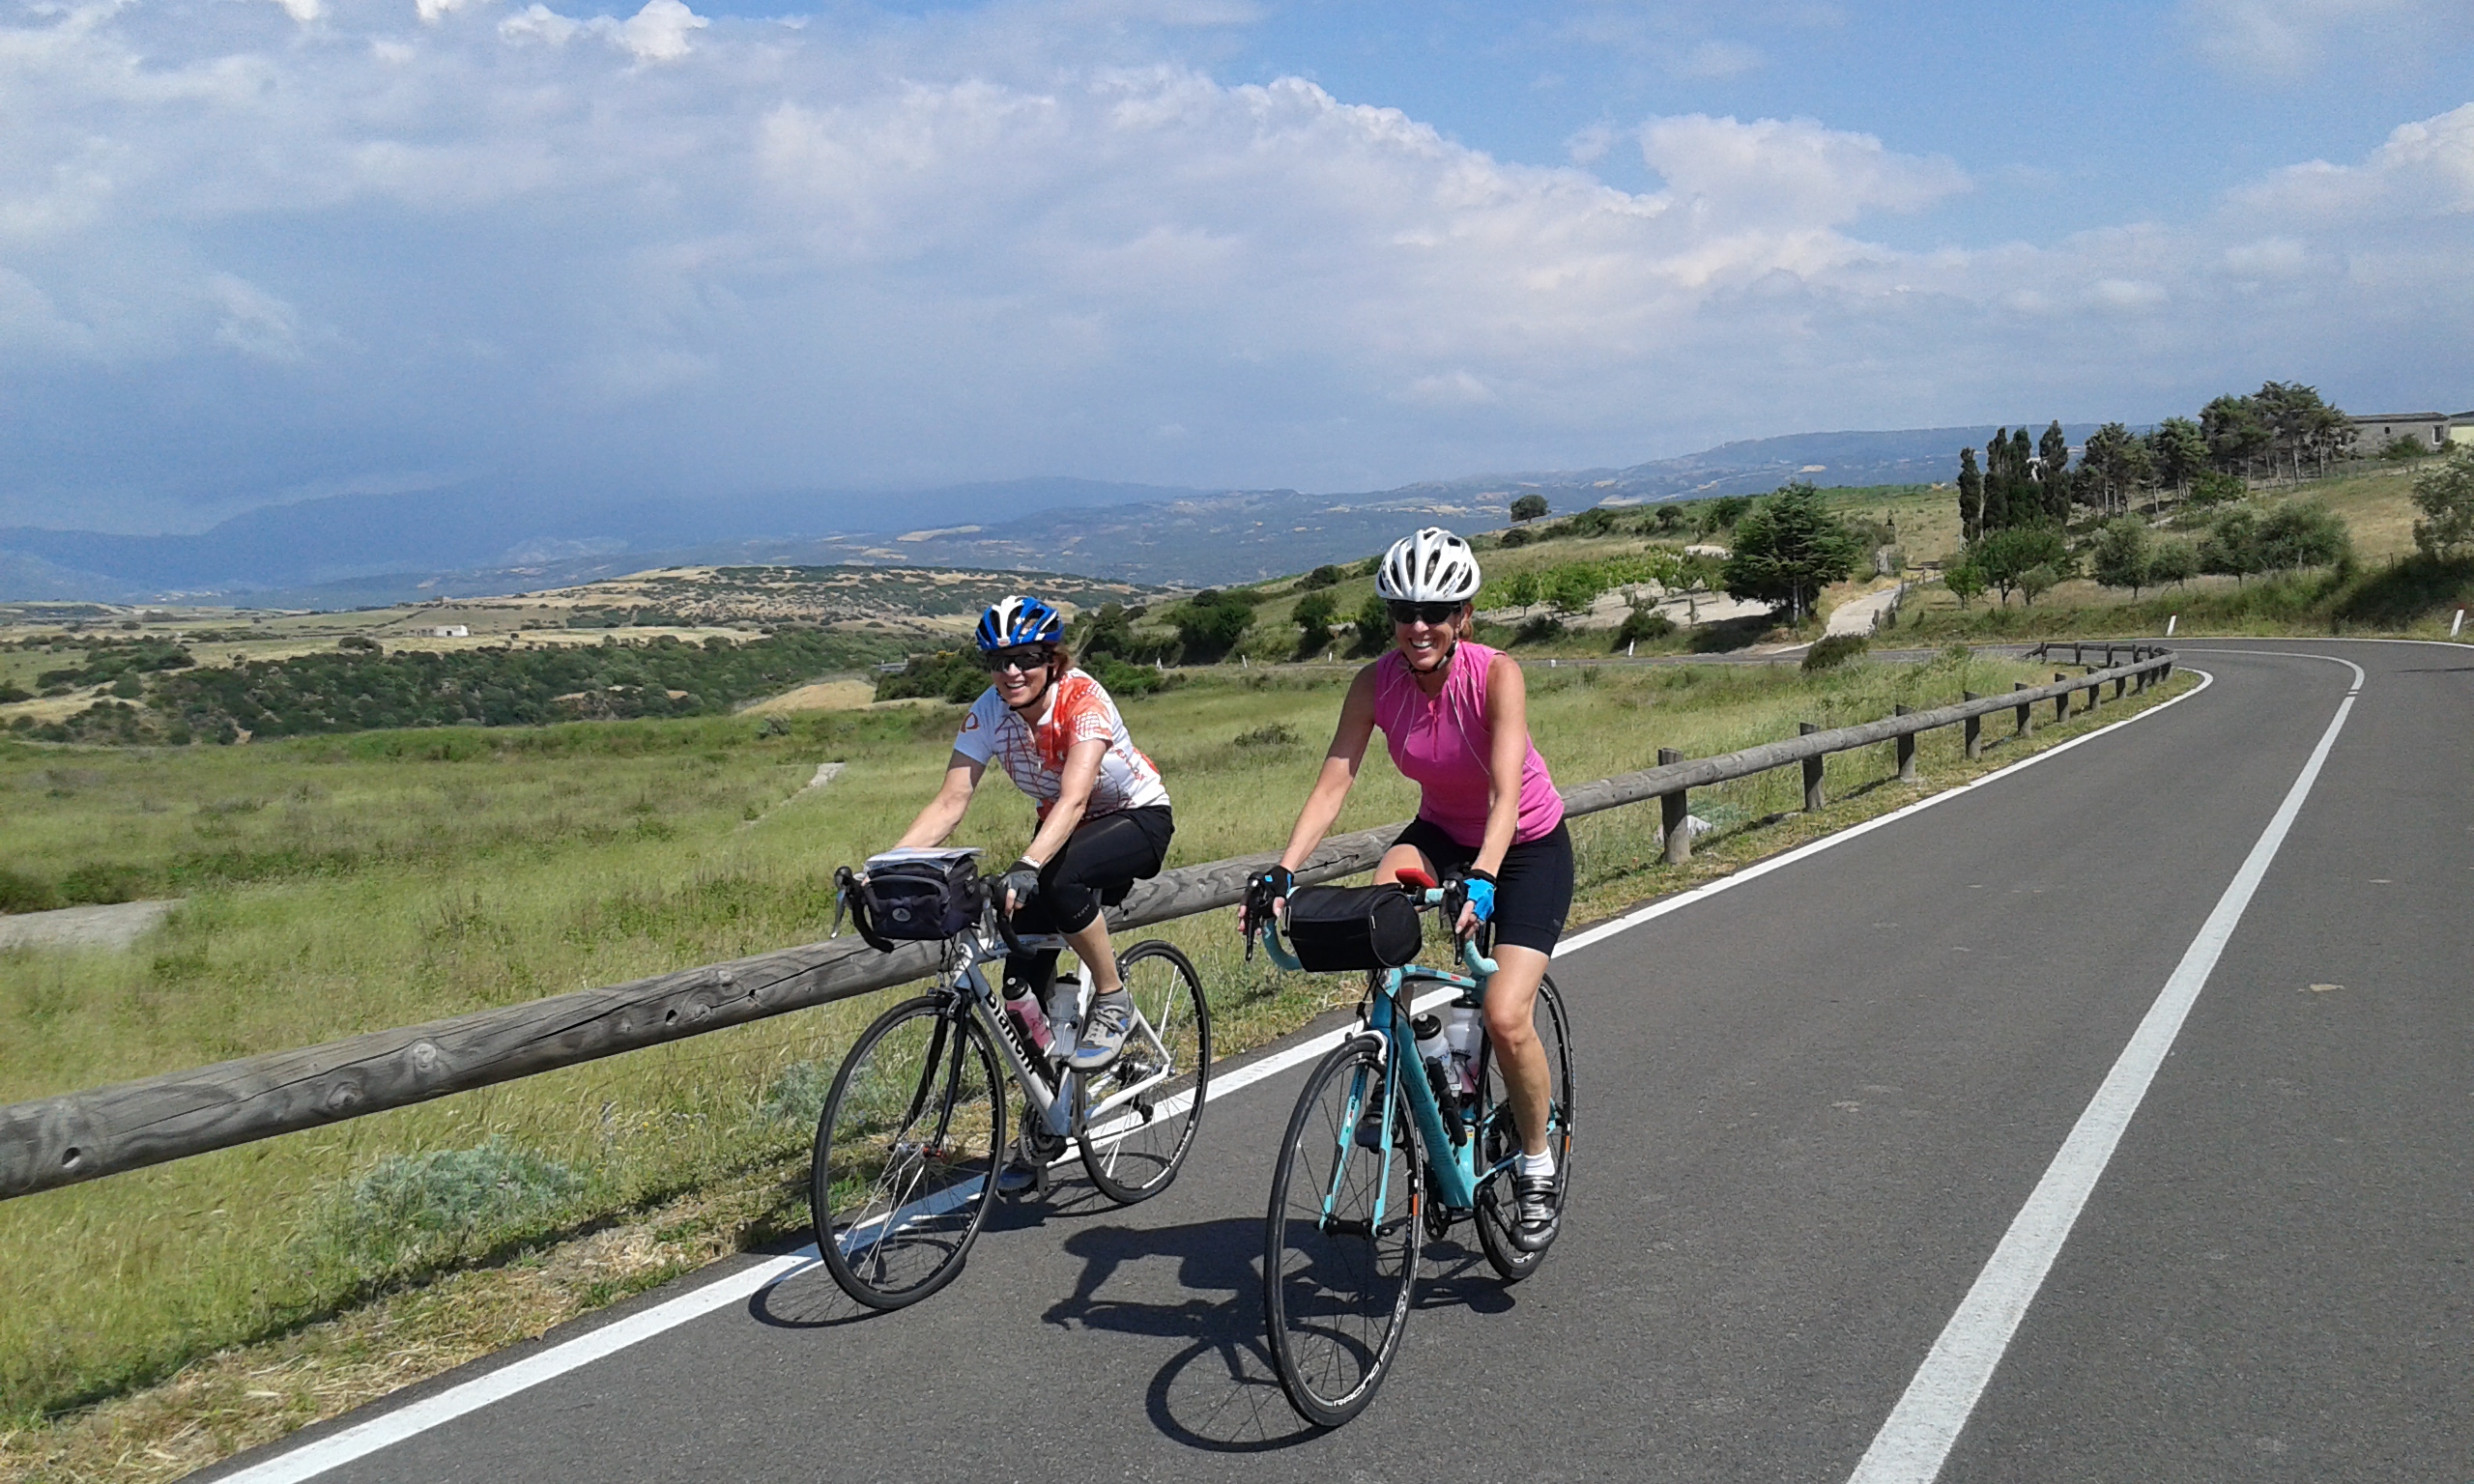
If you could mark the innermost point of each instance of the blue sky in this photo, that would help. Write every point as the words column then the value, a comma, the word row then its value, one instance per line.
column 256, row 250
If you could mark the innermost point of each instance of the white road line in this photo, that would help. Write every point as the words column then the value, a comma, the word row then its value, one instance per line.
column 1917, row 1440
column 361, row 1440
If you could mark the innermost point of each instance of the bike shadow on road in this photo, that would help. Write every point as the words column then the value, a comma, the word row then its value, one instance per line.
column 1220, row 1392
column 808, row 1297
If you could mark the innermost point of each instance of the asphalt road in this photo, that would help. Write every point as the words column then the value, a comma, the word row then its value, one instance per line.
column 1813, row 1105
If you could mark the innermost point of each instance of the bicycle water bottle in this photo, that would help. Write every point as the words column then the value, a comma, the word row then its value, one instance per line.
column 1431, row 1045
column 1029, row 1017
column 1064, row 1007
column 1462, row 1032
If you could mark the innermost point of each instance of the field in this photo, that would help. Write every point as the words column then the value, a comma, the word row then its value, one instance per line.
column 408, row 875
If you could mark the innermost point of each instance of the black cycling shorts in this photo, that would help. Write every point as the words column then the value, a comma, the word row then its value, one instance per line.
column 1533, row 888
column 1101, row 860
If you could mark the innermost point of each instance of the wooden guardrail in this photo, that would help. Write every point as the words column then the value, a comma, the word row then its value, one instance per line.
column 79, row 1136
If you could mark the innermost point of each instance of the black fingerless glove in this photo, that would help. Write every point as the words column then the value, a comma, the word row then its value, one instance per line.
column 1022, row 881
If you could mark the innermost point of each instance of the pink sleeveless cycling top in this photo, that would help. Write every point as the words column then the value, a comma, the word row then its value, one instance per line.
column 1441, row 742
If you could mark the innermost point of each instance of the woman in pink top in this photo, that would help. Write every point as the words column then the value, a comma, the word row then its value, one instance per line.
column 1455, row 717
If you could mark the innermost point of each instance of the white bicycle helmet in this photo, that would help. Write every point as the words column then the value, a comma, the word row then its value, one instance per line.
column 1433, row 566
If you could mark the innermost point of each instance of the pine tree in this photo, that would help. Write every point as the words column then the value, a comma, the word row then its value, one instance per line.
column 2054, row 451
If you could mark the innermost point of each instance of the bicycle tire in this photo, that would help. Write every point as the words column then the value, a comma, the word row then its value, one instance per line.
column 906, row 1152
column 1134, row 1160
column 1498, row 1138
column 1336, row 1303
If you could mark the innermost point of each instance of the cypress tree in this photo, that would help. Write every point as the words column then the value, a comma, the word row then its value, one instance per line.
column 1996, row 511
column 1970, row 497
column 2054, row 449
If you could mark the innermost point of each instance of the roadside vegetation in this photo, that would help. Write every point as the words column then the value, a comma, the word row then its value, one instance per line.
column 424, row 873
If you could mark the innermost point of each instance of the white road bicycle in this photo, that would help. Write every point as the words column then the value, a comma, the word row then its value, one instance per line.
column 913, row 1132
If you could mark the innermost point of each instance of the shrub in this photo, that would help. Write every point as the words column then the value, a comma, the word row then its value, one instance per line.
column 1209, row 624
column 1516, row 536
column 1537, row 630
column 1373, row 624
column 2445, row 497
column 1529, row 508
column 22, row 892
column 1269, row 734
column 796, row 1094
column 1832, row 650
column 1643, row 623
column 948, row 674
column 414, row 1213
column 1324, row 576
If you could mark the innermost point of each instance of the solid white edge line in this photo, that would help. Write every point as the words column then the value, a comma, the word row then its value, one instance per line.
column 1915, row 1440
column 361, row 1440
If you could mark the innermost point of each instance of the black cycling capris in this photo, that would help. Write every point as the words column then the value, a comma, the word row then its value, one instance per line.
column 1101, row 860
column 1532, row 889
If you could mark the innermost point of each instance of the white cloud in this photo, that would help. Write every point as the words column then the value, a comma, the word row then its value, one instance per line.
column 1790, row 171
column 1718, row 61
column 431, row 12
column 2287, row 38
column 961, row 249
column 304, row 10
column 256, row 323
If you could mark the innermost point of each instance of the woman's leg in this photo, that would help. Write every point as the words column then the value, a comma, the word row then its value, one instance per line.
column 1511, row 997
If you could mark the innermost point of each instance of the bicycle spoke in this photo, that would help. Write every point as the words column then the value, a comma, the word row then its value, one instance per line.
column 1137, row 1119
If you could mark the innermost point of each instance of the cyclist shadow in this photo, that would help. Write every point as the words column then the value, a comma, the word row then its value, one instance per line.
column 1220, row 1392
column 808, row 1299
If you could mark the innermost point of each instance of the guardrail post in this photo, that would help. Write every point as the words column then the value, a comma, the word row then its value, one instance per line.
column 2140, row 689
column 1812, row 772
column 2060, row 703
column 2078, row 656
column 1674, row 818
column 2027, row 710
column 1906, row 750
column 1975, row 729
column 2121, row 684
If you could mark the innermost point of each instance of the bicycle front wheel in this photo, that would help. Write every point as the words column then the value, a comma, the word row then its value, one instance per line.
column 1498, row 1138
column 1140, row 1116
column 907, row 1154
column 1342, row 1241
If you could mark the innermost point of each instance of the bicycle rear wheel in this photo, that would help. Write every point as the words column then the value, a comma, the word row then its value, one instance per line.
column 1500, row 1139
column 1337, row 1280
column 907, row 1154
column 1139, row 1145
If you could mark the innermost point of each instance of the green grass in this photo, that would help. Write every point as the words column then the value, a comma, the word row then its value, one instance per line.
column 341, row 885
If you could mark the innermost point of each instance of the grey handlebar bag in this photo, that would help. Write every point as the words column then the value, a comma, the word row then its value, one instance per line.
column 1336, row 930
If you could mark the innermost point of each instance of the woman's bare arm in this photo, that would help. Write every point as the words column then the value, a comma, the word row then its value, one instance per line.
column 945, row 810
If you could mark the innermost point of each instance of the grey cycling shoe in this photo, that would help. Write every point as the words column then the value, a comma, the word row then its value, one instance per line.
column 1538, row 1209
column 1103, row 1033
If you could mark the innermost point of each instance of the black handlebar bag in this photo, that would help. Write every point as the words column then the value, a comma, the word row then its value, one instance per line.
column 922, row 900
column 1336, row 929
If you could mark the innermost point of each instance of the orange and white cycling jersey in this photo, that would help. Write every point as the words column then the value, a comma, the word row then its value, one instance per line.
column 1033, row 754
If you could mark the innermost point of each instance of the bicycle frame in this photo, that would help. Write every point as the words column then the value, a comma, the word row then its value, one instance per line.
column 1455, row 1172
column 1053, row 1105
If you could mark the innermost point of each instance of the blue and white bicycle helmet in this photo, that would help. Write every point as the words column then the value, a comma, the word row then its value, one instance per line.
column 1020, row 619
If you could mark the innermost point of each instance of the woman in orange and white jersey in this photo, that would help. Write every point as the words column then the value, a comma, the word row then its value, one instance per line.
column 1102, row 809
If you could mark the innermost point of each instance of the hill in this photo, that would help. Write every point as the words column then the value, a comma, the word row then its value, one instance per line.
column 478, row 538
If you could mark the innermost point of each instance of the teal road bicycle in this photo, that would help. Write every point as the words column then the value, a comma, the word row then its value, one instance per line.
column 1386, row 1148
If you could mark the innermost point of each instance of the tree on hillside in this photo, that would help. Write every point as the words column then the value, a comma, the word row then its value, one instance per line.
column 1994, row 512
column 1522, row 589
column 2236, row 433
column 1722, row 513
column 1209, row 624
column 1787, row 550
column 1669, row 519
column 1571, row 589
column 2036, row 581
column 2302, row 427
column 2053, row 466
column 1970, row 497
column 2173, row 561
column 1529, row 508
column 2122, row 556
column 2004, row 556
column 2178, row 452
column 1373, row 624
column 2232, row 546
column 2303, row 534
column 1313, row 614
column 1965, row 582
column 2114, row 468
column 2445, row 496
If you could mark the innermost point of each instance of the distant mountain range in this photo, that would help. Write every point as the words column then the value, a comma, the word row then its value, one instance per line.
column 473, row 539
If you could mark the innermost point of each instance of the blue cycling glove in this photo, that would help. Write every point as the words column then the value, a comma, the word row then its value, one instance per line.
column 1480, row 888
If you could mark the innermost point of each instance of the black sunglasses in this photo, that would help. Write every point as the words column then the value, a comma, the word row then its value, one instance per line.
column 1026, row 659
column 1423, row 613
